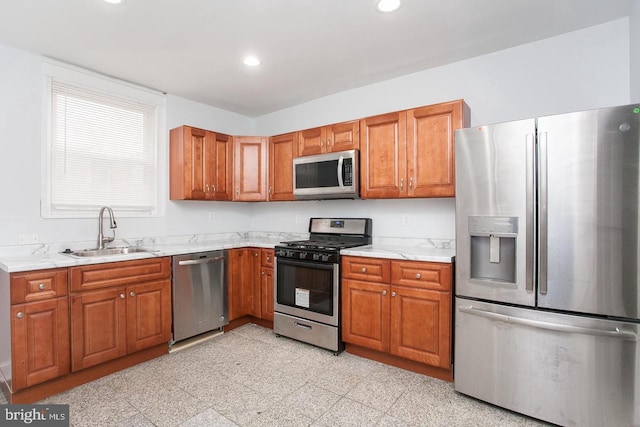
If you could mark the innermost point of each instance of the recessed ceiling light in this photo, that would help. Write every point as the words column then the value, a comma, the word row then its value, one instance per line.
column 388, row 5
column 115, row 1
column 251, row 61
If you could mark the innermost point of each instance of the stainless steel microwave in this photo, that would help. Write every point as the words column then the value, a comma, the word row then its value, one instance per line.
column 327, row 176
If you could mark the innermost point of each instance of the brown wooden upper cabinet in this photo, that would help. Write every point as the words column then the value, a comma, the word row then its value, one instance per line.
column 250, row 168
column 411, row 153
column 200, row 164
column 282, row 150
column 330, row 138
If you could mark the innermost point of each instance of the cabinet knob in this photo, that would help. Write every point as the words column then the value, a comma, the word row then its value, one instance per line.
column 19, row 315
column 121, row 296
column 133, row 294
column 41, row 286
column 393, row 294
column 364, row 269
column 256, row 254
column 262, row 273
column 384, row 292
column 268, row 258
column 418, row 275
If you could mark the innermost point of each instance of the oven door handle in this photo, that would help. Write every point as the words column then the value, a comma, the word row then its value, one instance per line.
column 303, row 326
column 306, row 263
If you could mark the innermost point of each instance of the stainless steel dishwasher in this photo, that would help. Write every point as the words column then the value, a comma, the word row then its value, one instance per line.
column 200, row 293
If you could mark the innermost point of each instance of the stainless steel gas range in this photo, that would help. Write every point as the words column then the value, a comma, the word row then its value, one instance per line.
column 307, row 276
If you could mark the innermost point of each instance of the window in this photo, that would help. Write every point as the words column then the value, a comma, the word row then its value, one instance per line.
column 101, row 145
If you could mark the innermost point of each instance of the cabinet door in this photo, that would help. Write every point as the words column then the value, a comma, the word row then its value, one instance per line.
column 383, row 156
column 250, row 168
column 189, row 152
column 39, row 341
column 430, row 148
column 282, row 150
column 98, row 327
column 343, row 136
column 312, row 141
column 365, row 314
column 244, row 268
column 148, row 315
column 222, row 166
column 421, row 325
column 267, row 293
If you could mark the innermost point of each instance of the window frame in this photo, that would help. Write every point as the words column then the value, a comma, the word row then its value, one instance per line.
column 81, row 78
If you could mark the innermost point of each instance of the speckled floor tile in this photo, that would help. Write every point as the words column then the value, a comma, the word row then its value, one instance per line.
column 310, row 400
column 106, row 413
column 349, row 413
column 249, row 377
column 209, row 418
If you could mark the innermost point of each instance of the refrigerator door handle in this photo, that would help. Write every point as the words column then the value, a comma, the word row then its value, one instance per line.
column 616, row 333
column 542, row 214
column 530, row 218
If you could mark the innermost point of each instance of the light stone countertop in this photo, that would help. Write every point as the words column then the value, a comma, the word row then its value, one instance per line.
column 400, row 252
column 40, row 257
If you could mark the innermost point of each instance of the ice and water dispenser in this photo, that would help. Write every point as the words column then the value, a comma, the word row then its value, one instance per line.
column 493, row 248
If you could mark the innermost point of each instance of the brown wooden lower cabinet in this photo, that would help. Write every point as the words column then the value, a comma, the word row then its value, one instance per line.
column 267, row 284
column 39, row 326
column 39, row 341
column 251, row 283
column 411, row 321
column 110, row 321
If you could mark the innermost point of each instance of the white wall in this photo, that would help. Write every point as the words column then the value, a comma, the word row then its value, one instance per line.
column 575, row 71
column 580, row 70
column 20, row 145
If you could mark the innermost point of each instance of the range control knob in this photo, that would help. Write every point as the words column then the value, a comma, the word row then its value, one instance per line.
column 303, row 255
column 325, row 257
column 316, row 257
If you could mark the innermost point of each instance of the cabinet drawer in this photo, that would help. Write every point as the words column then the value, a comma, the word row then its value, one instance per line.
column 38, row 285
column 367, row 269
column 426, row 275
column 119, row 273
column 267, row 257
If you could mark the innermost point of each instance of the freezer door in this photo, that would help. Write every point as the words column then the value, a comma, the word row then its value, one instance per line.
column 495, row 212
column 588, row 202
column 565, row 369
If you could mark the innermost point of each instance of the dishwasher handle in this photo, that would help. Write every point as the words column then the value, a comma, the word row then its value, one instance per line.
column 200, row 261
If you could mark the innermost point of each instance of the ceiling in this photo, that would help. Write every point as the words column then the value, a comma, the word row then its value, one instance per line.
column 308, row 48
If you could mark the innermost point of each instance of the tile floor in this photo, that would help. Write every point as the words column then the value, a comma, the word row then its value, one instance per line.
column 250, row 377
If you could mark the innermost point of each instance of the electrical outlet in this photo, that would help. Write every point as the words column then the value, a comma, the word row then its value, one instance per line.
column 27, row 239
column 212, row 216
column 405, row 219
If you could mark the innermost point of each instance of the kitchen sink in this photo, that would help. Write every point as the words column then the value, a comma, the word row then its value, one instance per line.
column 123, row 250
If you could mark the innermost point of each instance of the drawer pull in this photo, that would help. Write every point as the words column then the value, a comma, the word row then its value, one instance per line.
column 19, row 315
column 393, row 294
column 41, row 286
column 418, row 275
column 364, row 269
column 133, row 294
column 121, row 296
column 384, row 292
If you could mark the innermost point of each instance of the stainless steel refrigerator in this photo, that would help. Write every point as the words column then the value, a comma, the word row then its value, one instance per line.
column 547, row 303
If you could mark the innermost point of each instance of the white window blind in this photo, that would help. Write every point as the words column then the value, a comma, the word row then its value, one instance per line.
column 102, row 152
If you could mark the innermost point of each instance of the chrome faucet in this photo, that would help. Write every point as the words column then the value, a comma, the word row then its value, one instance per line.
column 112, row 224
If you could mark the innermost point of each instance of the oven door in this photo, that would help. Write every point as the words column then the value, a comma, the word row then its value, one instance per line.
column 307, row 289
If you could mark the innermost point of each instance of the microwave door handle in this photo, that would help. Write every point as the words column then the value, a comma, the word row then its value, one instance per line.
column 340, row 165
